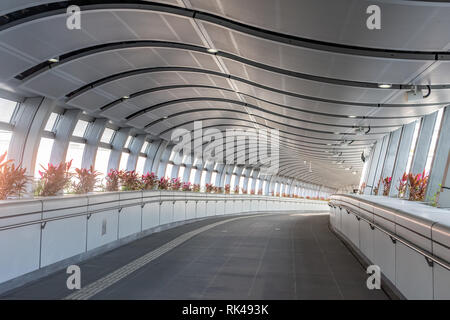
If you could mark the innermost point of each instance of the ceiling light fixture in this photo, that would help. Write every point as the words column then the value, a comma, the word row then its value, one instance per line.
column 212, row 50
column 384, row 85
column 53, row 60
column 126, row 97
column 351, row 116
column 354, row 172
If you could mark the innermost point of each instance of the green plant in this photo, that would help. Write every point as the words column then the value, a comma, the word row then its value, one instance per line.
column 112, row 180
column 87, row 180
column 434, row 199
column 129, row 181
column 54, row 179
column 13, row 180
column 375, row 190
column 149, row 181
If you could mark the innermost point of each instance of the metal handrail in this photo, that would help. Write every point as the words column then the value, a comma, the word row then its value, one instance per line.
column 427, row 255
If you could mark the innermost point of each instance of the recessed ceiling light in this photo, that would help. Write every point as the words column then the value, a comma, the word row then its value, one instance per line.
column 352, row 116
column 126, row 97
column 165, row 117
column 384, row 85
column 53, row 60
column 337, row 133
column 354, row 172
column 212, row 50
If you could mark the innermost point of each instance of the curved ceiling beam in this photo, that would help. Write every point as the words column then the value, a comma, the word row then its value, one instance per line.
column 51, row 9
column 183, row 86
column 276, row 122
column 84, row 52
column 253, row 107
column 142, row 71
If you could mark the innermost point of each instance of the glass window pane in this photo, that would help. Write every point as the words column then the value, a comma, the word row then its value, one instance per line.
column 7, row 108
column 51, row 122
column 232, row 182
column 80, row 128
column 101, row 161
column 192, row 175
column 434, row 139
column 107, row 135
column 257, row 186
column 213, row 178
column 203, row 180
column 241, row 184
column 168, row 172
column 43, row 155
column 123, row 161
column 140, row 165
column 413, row 146
column 181, row 172
column 5, row 138
column 75, row 153
column 128, row 142
column 144, row 147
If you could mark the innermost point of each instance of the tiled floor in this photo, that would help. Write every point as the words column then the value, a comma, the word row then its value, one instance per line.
column 279, row 256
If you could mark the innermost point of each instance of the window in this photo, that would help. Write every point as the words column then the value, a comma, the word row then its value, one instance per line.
column 140, row 165
column 241, row 184
column 144, row 147
column 5, row 138
column 101, row 161
column 192, row 175
column 413, row 146
column 107, row 135
column 434, row 140
column 232, row 181
column 257, row 185
column 168, row 173
column 181, row 173
column 7, row 107
column 80, row 128
column 250, row 184
column 123, row 161
column 51, row 122
column 75, row 153
column 203, row 180
column 128, row 142
column 264, row 186
column 213, row 178
column 43, row 155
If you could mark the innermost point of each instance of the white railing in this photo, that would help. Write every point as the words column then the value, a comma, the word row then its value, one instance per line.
column 41, row 235
column 410, row 242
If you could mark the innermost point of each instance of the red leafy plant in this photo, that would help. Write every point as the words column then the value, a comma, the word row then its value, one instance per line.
column 402, row 185
column 129, row 181
column 54, row 179
column 387, row 185
column 417, row 186
column 236, row 189
column 87, row 180
column 252, row 191
column 227, row 189
column 260, row 192
column 186, row 186
column 13, row 180
column 209, row 188
column 244, row 191
column 149, row 181
column 175, row 184
column 375, row 190
column 112, row 180
column 218, row 190
column 164, row 184
column 196, row 187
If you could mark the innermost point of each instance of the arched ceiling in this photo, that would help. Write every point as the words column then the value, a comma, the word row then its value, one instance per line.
column 310, row 69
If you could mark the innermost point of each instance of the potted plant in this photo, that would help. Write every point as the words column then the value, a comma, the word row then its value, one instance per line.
column 236, row 190
column 149, row 181
column 54, row 179
column 112, row 180
column 175, row 184
column 86, row 180
column 129, row 181
column 164, row 184
column 209, row 188
column 386, row 185
column 186, row 186
column 260, row 192
column 402, row 185
column 417, row 186
column 196, row 188
column 13, row 180
column 375, row 190
column 227, row 189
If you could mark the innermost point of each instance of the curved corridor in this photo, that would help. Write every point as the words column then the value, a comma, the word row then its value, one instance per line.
column 269, row 256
